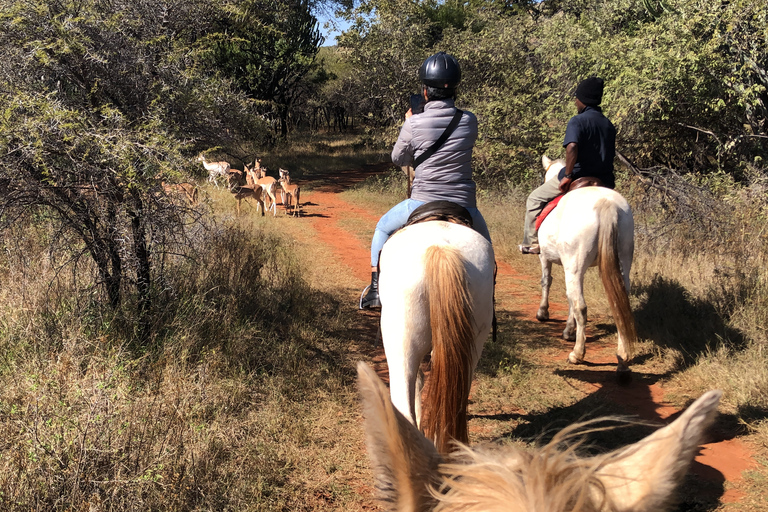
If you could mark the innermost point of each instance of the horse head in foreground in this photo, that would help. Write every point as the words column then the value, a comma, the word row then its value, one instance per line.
column 413, row 477
column 590, row 226
column 436, row 291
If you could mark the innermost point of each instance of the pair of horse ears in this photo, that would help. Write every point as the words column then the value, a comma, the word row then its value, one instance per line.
column 640, row 477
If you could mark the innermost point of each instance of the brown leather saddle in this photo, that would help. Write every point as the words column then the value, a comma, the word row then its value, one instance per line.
column 586, row 181
column 440, row 210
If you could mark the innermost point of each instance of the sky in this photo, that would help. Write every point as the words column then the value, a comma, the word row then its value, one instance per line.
column 330, row 33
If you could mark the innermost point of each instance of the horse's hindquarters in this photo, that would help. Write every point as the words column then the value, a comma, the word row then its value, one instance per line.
column 589, row 226
column 409, row 261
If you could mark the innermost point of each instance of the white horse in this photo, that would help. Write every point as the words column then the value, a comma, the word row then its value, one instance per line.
column 590, row 226
column 412, row 476
column 436, row 291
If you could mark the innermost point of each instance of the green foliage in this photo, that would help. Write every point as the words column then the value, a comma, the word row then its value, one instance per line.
column 104, row 101
column 687, row 81
column 267, row 47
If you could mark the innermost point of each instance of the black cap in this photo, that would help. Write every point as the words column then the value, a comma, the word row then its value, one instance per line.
column 590, row 91
column 441, row 70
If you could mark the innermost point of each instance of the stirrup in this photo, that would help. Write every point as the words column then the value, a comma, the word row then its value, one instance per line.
column 369, row 302
column 529, row 249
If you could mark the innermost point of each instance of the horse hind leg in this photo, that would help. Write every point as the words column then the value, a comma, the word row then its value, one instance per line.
column 569, row 333
column 542, row 315
column 577, row 315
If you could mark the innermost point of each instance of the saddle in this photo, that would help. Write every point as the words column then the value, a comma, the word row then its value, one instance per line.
column 440, row 210
column 586, row 181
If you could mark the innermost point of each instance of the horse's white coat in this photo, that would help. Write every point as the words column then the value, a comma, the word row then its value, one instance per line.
column 405, row 317
column 569, row 237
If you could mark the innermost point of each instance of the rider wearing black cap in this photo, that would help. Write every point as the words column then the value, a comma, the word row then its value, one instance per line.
column 590, row 146
column 444, row 175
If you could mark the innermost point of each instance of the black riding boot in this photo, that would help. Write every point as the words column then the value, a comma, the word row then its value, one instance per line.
column 371, row 298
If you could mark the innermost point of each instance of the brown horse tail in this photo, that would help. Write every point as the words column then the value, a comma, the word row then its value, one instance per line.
column 610, row 273
column 444, row 410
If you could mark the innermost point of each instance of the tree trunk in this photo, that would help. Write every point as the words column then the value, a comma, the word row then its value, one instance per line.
column 143, row 267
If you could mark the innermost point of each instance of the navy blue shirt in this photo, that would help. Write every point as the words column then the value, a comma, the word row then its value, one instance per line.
column 596, row 139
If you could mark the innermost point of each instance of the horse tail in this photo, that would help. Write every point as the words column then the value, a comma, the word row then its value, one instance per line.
column 444, row 411
column 610, row 273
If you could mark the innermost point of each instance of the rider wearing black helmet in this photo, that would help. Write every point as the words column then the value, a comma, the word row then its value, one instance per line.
column 446, row 174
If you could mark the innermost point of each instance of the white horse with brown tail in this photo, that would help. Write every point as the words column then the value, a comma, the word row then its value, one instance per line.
column 590, row 226
column 413, row 476
column 436, row 291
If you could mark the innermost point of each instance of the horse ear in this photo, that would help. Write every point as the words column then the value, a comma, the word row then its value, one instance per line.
column 404, row 461
column 644, row 476
column 545, row 161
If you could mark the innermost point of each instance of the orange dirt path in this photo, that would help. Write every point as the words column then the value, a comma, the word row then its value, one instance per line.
column 718, row 462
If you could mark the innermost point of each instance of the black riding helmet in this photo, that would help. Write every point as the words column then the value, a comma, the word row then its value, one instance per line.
column 441, row 70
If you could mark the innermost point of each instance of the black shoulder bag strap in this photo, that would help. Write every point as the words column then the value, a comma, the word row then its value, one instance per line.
column 439, row 142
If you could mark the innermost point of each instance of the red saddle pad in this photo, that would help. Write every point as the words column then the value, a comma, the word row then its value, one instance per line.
column 547, row 209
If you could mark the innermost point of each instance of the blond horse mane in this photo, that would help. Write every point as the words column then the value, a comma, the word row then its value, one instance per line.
column 444, row 412
column 548, row 478
column 610, row 273
column 412, row 477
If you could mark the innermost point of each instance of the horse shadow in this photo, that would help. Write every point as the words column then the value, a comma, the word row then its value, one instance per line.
column 704, row 485
column 515, row 325
column 671, row 318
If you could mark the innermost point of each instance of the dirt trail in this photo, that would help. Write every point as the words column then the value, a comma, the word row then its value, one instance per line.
column 721, row 462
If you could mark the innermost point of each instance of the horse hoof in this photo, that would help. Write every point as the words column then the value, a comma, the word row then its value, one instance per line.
column 569, row 336
column 624, row 376
column 542, row 317
column 573, row 359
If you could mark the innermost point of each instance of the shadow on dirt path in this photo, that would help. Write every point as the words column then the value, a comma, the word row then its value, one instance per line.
column 720, row 462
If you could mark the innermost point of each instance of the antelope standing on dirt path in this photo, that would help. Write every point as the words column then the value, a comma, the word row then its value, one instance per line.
column 215, row 169
column 188, row 190
column 289, row 193
column 240, row 190
column 258, row 175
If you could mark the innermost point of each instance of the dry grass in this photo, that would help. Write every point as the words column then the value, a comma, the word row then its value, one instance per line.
column 242, row 400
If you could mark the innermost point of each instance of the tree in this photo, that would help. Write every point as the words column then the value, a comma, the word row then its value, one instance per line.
column 268, row 48
column 686, row 81
column 101, row 101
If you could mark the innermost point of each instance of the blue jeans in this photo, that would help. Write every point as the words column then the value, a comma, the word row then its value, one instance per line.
column 396, row 218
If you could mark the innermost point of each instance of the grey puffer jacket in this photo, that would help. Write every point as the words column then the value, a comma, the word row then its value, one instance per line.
column 446, row 175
